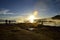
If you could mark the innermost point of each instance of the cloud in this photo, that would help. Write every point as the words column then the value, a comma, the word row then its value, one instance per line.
column 5, row 11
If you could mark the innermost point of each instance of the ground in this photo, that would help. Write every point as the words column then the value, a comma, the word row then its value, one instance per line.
column 19, row 32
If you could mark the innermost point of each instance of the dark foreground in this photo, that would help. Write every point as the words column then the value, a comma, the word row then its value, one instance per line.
column 21, row 32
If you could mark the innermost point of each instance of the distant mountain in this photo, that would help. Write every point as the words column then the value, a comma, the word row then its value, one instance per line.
column 56, row 17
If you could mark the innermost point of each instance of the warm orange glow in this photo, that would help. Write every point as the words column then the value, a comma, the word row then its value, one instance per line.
column 35, row 13
column 31, row 18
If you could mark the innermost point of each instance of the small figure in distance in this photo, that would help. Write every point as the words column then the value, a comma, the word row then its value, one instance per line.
column 9, row 22
column 6, row 21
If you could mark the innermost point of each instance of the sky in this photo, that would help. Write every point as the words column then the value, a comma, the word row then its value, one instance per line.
column 12, row 9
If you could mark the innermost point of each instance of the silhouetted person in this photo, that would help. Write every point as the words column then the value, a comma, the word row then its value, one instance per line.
column 9, row 22
column 6, row 21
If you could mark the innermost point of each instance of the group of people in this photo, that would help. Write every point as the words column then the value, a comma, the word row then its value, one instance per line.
column 7, row 21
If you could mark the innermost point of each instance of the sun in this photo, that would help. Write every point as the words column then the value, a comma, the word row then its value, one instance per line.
column 31, row 18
